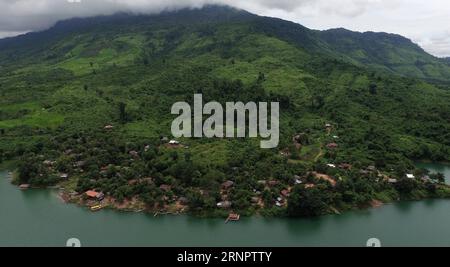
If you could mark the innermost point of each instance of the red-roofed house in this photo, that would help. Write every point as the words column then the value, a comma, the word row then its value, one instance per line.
column 94, row 194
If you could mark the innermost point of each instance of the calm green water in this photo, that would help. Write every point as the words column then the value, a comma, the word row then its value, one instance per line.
column 39, row 218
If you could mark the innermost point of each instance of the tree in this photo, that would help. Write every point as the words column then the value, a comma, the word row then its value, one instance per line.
column 309, row 202
column 405, row 186
column 26, row 172
column 440, row 177
column 122, row 112
column 196, row 200
column 184, row 171
column 261, row 77
column 373, row 88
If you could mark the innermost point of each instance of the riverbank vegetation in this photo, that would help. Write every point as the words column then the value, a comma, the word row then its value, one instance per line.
column 90, row 111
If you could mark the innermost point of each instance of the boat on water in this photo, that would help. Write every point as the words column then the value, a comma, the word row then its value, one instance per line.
column 233, row 217
column 24, row 186
column 96, row 208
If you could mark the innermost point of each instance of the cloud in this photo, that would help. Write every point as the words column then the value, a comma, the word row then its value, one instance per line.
column 426, row 22
column 439, row 44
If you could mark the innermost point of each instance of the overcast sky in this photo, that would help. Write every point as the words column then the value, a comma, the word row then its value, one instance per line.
column 425, row 22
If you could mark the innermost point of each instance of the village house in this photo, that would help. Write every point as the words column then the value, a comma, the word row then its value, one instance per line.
column 331, row 166
column 410, row 176
column 173, row 144
column 133, row 182
column 285, row 193
column 109, row 127
column 165, row 187
column 104, row 168
column 224, row 205
column 148, row 180
column 345, row 166
column 183, row 200
column 285, row 153
column 371, row 168
column 95, row 195
column 134, row 154
column 48, row 163
column 297, row 140
column 255, row 200
column 280, row 202
column 392, row 181
column 79, row 164
column 262, row 182
column 364, row 172
column 64, row 176
column 227, row 185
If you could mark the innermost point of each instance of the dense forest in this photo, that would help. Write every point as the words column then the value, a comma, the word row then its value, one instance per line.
column 86, row 105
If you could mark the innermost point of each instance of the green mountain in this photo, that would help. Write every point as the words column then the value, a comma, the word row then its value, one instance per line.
column 384, row 51
column 446, row 60
column 60, row 88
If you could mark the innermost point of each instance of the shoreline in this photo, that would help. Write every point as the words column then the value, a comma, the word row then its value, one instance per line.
column 70, row 198
column 137, row 206
column 371, row 205
column 131, row 206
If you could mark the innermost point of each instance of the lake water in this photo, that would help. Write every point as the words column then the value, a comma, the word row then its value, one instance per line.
column 39, row 218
